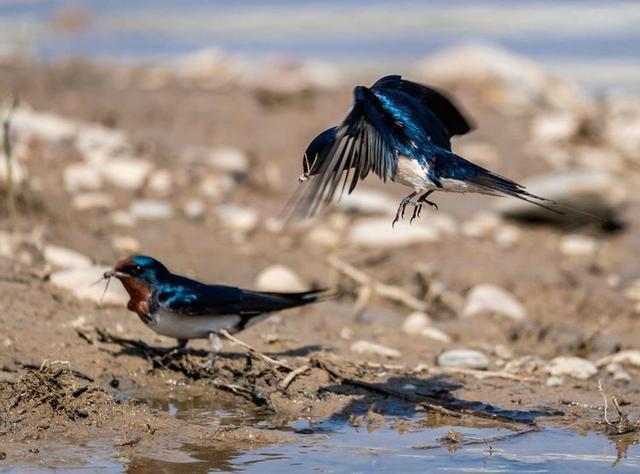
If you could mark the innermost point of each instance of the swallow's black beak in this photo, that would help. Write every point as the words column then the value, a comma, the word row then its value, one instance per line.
column 114, row 273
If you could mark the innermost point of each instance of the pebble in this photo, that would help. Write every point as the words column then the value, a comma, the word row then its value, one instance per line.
column 195, row 209
column 554, row 381
column 125, row 244
column 88, row 201
column 507, row 236
column 526, row 364
column 368, row 201
column 81, row 283
column 575, row 367
column 378, row 233
column 151, row 209
column 553, row 127
column 126, row 173
column 82, row 177
column 367, row 347
column 594, row 192
column 576, row 245
column 46, row 127
column 490, row 298
column 122, row 219
column 415, row 323
column 236, row 218
column 628, row 357
column 436, row 334
column 215, row 187
column 324, row 236
column 229, row 160
column 463, row 359
column 481, row 225
column 61, row 257
column 279, row 278
column 346, row 333
column 633, row 291
column 160, row 183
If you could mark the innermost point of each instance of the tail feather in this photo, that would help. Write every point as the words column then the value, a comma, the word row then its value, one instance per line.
column 265, row 302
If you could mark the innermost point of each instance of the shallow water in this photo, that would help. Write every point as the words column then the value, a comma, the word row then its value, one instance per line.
column 398, row 443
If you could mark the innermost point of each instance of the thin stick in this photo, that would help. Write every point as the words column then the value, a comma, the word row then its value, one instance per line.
column 292, row 375
column 390, row 292
column 8, row 154
column 606, row 404
column 481, row 374
column 486, row 440
column 252, row 351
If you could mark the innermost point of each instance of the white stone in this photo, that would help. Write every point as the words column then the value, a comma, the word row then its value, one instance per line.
column 633, row 291
column 627, row 357
column 215, row 187
column 507, row 236
column 436, row 334
column 82, row 177
column 151, row 209
column 367, row 347
column 99, row 144
column 554, row 127
column 125, row 244
column 126, row 173
column 463, row 359
column 46, row 127
column 368, row 201
column 279, row 278
column 377, row 233
column 346, row 333
column 122, row 219
column 160, row 183
column 81, row 282
column 490, row 298
column 575, row 367
column 575, row 245
column 195, row 209
column 414, row 323
column 554, row 381
column 324, row 236
column 480, row 225
column 236, row 218
column 229, row 160
column 88, row 201
column 61, row 257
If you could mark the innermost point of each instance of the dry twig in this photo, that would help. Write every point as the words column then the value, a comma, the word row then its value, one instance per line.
column 254, row 352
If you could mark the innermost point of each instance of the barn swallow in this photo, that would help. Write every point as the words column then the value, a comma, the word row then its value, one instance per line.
column 178, row 307
column 401, row 131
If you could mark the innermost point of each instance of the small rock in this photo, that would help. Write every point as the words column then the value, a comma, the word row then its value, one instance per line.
column 463, row 359
column 122, row 219
column 415, row 323
column 81, row 283
column 160, row 183
column 151, row 209
column 481, row 225
column 368, row 201
column 215, row 187
column 279, row 278
column 61, row 257
column 618, row 372
column 575, row 245
column 575, row 367
column 526, row 364
column 593, row 192
column 553, row 127
column 346, row 333
column 126, row 173
column 490, row 298
column 125, row 244
column 82, row 177
column 378, row 233
column 507, row 236
column 503, row 352
column 436, row 334
column 366, row 347
column 89, row 201
column 236, row 218
column 554, row 381
column 229, row 160
column 628, row 357
column 324, row 236
column 195, row 209
column 633, row 291
column 48, row 128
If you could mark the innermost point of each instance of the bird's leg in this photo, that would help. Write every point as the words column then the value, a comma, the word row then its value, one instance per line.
column 182, row 343
column 402, row 206
column 215, row 346
column 417, row 207
column 423, row 198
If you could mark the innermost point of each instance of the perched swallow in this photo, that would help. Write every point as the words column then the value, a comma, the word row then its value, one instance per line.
column 401, row 131
column 176, row 306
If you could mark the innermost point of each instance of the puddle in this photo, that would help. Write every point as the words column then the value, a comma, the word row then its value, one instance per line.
column 389, row 444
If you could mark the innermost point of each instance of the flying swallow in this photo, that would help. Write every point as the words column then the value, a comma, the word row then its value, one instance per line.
column 401, row 131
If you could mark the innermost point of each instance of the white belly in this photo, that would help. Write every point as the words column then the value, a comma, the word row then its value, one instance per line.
column 170, row 324
column 411, row 173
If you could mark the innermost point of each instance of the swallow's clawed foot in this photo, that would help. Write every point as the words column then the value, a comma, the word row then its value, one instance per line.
column 424, row 199
column 215, row 346
column 402, row 206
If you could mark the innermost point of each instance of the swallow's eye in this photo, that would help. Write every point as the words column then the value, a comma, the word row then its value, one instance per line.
column 134, row 270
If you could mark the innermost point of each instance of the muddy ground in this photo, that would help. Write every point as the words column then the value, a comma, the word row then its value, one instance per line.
column 67, row 381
